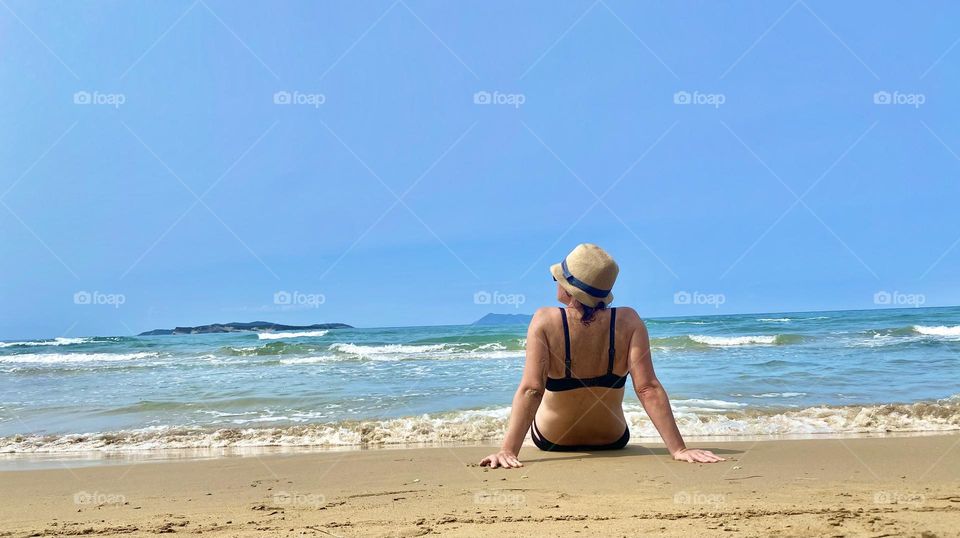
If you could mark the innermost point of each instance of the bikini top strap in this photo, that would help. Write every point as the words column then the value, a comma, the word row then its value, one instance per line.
column 613, row 332
column 566, row 343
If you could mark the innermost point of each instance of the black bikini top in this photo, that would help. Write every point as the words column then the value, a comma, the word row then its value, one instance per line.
column 568, row 382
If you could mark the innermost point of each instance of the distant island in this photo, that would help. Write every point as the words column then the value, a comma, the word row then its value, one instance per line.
column 504, row 319
column 240, row 327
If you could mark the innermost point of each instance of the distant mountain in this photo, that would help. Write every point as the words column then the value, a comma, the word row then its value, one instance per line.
column 504, row 319
column 241, row 327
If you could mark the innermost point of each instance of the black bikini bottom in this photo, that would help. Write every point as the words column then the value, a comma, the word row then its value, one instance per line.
column 543, row 444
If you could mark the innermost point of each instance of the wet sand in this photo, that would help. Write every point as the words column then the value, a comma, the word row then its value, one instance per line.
column 901, row 486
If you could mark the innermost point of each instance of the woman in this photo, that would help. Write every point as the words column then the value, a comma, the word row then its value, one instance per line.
column 578, row 357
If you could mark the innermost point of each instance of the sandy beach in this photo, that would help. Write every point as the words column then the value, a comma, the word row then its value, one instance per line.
column 901, row 486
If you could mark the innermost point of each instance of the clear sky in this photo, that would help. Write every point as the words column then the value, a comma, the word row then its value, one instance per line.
column 148, row 159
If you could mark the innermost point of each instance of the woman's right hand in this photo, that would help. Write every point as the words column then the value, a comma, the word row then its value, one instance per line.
column 696, row 455
column 504, row 458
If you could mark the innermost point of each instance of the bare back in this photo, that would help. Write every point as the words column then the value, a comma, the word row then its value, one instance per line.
column 586, row 414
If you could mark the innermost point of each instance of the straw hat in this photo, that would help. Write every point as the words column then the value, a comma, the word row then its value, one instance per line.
column 587, row 273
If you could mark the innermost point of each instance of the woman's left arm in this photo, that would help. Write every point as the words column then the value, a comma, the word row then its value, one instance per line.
column 654, row 397
column 527, row 399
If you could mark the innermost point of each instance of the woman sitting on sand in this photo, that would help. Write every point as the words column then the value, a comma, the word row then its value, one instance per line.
column 575, row 353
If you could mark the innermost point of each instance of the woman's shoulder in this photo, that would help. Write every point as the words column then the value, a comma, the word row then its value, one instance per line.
column 630, row 318
column 545, row 313
column 627, row 312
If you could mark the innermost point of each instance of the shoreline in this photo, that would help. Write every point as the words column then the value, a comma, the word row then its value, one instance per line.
column 28, row 461
column 700, row 420
column 888, row 486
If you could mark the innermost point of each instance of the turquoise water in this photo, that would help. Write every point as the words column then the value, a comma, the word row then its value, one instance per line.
column 777, row 374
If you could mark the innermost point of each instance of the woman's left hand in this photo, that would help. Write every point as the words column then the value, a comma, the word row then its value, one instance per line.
column 696, row 455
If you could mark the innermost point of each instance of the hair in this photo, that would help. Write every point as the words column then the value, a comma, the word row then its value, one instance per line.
column 590, row 312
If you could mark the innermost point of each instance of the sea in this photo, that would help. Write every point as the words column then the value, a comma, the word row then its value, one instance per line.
column 757, row 376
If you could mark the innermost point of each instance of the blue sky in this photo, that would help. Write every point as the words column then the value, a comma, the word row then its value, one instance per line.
column 179, row 185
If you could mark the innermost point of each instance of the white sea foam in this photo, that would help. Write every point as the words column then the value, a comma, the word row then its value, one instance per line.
column 60, row 341
column 778, row 395
column 724, row 341
column 915, row 334
column 940, row 330
column 55, row 358
column 695, row 418
column 298, row 334
column 309, row 360
column 776, row 320
column 446, row 351
column 388, row 349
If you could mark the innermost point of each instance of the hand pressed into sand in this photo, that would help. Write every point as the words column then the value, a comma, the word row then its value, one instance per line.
column 504, row 458
column 696, row 455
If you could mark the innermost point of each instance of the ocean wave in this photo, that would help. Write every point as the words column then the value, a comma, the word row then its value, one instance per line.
column 940, row 330
column 59, row 341
column 313, row 353
column 703, row 342
column 775, row 320
column 492, row 346
column 724, row 341
column 696, row 418
column 909, row 335
column 388, row 349
column 397, row 352
column 300, row 334
column 309, row 360
column 272, row 348
column 56, row 358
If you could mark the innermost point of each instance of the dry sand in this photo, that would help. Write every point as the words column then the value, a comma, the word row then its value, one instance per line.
column 904, row 486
